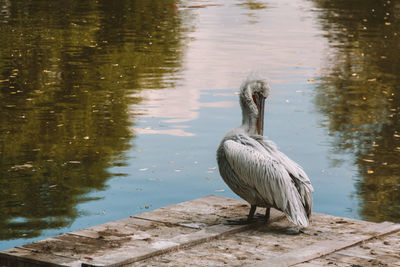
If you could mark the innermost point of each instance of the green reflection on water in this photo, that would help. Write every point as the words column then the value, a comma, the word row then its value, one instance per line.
column 68, row 70
column 360, row 96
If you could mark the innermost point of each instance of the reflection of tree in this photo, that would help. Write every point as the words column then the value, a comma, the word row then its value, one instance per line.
column 359, row 94
column 252, row 6
column 67, row 70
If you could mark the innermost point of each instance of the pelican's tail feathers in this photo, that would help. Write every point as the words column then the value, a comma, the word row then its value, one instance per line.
column 297, row 214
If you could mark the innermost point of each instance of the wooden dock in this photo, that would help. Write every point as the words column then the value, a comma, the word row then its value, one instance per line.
column 195, row 233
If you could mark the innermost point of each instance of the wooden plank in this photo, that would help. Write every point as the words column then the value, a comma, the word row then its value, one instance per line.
column 144, row 235
column 164, row 245
column 320, row 249
column 199, row 213
column 356, row 259
column 144, row 239
column 25, row 258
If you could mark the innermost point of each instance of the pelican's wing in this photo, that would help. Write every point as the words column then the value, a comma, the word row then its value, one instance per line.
column 292, row 167
column 302, row 182
column 268, row 177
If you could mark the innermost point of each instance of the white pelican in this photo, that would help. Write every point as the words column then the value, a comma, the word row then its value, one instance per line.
column 256, row 170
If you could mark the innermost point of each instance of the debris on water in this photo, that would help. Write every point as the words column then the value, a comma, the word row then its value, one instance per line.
column 368, row 160
column 22, row 166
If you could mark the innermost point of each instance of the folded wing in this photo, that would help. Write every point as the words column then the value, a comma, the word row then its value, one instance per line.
column 269, row 177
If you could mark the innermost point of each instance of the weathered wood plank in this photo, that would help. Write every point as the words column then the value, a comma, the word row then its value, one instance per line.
column 326, row 247
column 199, row 213
column 356, row 259
column 196, row 233
column 163, row 245
column 23, row 258
column 145, row 235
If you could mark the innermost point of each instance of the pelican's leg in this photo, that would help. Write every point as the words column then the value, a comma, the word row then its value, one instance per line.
column 251, row 213
column 267, row 212
column 242, row 221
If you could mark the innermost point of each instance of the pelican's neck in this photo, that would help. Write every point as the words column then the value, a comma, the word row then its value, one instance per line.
column 249, row 111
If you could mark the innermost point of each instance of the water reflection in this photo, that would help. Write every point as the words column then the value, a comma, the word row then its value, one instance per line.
column 359, row 95
column 252, row 6
column 68, row 71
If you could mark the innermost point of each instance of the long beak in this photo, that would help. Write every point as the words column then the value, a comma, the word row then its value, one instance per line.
column 260, row 101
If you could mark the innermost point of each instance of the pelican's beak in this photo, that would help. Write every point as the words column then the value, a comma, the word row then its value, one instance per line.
column 259, row 99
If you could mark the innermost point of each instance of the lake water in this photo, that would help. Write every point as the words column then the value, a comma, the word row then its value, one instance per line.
column 109, row 109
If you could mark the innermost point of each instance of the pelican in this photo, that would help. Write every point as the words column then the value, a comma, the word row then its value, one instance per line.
column 256, row 170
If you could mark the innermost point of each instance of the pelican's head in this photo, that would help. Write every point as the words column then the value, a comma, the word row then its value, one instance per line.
column 253, row 93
